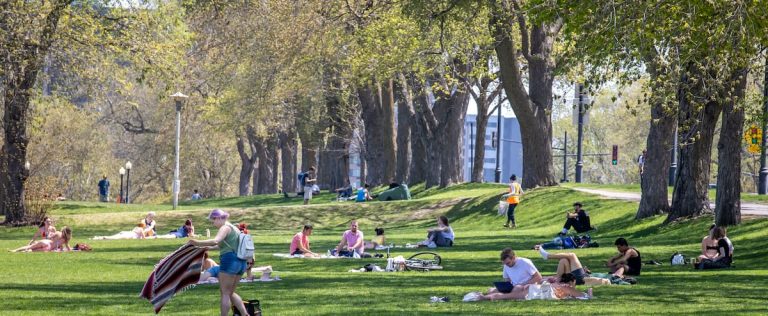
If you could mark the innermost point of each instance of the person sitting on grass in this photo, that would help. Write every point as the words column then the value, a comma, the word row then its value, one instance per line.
column 578, row 220
column 150, row 223
column 136, row 233
column 627, row 262
column 364, row 194
column 186, row 230
column 569, row 263
column 440, row 236
column 352, row 242
column 518, row 271
column 300, row 243
column 45, row 230
column 378, row 241
column 724, row 256
column 58, row 241
column 709, row 248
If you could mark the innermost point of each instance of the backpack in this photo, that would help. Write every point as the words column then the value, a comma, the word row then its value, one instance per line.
column 302, row 177
column 245, row 248
column 253, row 307
column 677, row 259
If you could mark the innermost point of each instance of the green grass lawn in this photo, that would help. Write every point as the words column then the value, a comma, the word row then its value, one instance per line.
column 107, row 281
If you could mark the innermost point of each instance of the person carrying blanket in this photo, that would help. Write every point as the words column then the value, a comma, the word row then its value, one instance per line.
column 173, row 274
column 230, row 266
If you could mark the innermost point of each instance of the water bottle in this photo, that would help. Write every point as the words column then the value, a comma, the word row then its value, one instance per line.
column 207, row 233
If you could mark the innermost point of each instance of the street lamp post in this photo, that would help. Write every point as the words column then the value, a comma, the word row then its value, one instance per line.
column 762, row 186
column 497, row 173
column 122, row 174
column 178, row 97
column 580, row 134
column 128, row 167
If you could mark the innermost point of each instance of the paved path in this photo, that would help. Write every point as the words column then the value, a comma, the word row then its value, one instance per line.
column 749, row 209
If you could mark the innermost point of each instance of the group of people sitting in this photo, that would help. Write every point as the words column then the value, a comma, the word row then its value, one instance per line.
column 353, row 244
column 51, row 239
column 521, row 273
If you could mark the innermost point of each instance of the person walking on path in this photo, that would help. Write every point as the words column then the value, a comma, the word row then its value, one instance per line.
column 515, row 190
column 104, row 189
column 308, row 181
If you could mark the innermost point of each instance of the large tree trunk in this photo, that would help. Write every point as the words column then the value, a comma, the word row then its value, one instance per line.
column 532, row 106
column 697, row 129
column 334, row 159
column 450, row 110
column 653, row 183
column 728, row 201
column 405, row 117
column 483, row 100
column 288, row 157
column 21, row 60
column 420, row 136
column 247, row 161
column 380, row 148
column 265, row 177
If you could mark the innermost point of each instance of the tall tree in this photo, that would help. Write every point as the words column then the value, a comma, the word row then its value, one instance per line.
column 532, row 103
column 377, row 102
column 27, row 31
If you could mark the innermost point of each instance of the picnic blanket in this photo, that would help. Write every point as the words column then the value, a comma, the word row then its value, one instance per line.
column 243, row 280
column 289, row 256
column 175, row 273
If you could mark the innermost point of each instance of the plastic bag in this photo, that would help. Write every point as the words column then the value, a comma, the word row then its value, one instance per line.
column 503, row 205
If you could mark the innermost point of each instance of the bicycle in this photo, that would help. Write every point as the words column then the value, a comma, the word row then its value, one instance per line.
column 423, row 261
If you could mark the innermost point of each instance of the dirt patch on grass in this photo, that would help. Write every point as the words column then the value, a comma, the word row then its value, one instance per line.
column 434, row 210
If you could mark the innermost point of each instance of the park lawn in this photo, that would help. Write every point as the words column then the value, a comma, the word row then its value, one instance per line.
column 107, row 281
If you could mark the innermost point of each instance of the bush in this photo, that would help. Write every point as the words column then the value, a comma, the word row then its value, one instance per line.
column 39, row 198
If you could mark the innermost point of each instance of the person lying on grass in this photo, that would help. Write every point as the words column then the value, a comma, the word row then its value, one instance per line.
column 136, row 233
column 352, row 242
column 58, row 241
column 627, row 262
column 45, row 230
column 516, row 270
column 440, row 236
column 300, row 243
column 564, row 288
column 186, row 230
column 569, row 263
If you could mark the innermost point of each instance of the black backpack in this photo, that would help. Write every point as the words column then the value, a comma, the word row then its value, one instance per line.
column 253, row 307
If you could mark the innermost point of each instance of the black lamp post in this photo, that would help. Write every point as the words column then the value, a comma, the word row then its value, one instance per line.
column 122, row 174
column 128, row 167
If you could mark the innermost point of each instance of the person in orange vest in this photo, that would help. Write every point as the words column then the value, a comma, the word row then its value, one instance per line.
column 515, row 190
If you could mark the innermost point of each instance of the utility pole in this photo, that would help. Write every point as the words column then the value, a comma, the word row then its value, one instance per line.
column 762, row 187
column 472, row 150
column 580, row 137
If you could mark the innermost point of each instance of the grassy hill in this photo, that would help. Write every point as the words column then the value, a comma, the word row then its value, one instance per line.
column 108, row 280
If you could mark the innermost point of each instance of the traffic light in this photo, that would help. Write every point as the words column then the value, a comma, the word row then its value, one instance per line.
column 615, row 155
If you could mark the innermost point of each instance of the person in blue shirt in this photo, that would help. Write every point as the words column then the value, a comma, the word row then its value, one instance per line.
column 363, row 194
column 104, row 189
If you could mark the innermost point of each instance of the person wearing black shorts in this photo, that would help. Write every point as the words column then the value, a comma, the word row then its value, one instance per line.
column 627, row 262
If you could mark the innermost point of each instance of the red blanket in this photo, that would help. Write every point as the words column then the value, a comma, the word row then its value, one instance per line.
column 176, row 272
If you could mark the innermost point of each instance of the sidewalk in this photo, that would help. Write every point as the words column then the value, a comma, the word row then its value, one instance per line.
column 750, row 209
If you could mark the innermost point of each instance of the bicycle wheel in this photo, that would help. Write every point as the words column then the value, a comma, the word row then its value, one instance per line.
column 423, row 261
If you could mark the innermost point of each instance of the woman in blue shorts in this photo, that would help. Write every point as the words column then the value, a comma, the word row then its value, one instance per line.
column 231, row 267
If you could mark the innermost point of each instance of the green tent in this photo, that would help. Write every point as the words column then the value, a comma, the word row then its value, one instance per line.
column 397, row 193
